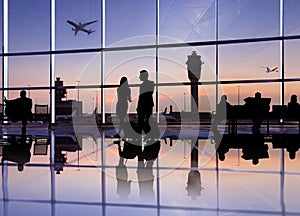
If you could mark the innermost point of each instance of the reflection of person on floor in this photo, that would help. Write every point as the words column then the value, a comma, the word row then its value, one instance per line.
column 292, row 146
column 145, row 102
column 145, row 169
column 19, row 109
column 146, row 180
column 18, row 151
column 194, row 185
column 123, row 185
column 255, row 149
column 124, row 95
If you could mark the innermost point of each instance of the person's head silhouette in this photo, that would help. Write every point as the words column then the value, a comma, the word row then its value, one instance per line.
column 258, row 95
column 20, row 167
column 22, row 93
column 224, row 98
column 124, row 81
column 144, row 75
column 294, row 98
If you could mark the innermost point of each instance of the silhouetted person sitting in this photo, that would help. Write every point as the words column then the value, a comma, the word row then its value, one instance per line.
column 222, row 110
column 19, row 109
column 293, row 109
column 258, row 109
column 255, row 148
column 145, row 102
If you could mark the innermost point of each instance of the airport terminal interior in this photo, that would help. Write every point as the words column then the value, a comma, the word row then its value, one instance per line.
column 157, row 107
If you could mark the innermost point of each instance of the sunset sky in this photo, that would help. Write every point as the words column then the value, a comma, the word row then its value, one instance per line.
column 133, row 22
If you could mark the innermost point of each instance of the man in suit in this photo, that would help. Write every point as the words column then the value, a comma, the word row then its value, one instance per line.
column 19, row 109
column 26, row 114
column 145, row 102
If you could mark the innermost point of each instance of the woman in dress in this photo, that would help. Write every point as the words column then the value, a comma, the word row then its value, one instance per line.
column 124, row 95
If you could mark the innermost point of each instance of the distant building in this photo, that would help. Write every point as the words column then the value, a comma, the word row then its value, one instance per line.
column 63, row 106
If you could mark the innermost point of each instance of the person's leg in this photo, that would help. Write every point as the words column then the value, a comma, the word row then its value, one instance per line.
column 141, row 121
column 121, row 125
column 24, row 124
column 147, row 127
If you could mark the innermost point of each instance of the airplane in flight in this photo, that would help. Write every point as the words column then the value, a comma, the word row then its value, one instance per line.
column 81, row 26
column 269, row 70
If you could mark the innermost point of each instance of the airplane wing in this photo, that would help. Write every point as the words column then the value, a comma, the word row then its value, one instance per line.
column 274, row 68
column 88, row 23
column 72, row 23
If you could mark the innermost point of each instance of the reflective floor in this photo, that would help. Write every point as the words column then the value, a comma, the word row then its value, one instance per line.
column 89, row 172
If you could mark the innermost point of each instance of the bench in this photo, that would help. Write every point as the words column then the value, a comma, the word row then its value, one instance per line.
column 41, row 113
column 279, row 113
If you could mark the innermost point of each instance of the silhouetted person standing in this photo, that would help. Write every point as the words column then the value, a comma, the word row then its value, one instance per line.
column 145, row 102
column 221, row 112
column 20, row 109
column 124, row 95
column 293, row 108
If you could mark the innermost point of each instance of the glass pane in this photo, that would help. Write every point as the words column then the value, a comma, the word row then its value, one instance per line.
column 29, row 25
column 88, row 98
column 249, row 61
column 291, row 19
column 28, row 71
column 292, row 64
column 173, row 61
column 77, row 12
column 1, row 24
column 37, row 180
column 78, row 69
column 186, row 21
column 202, row 182
column 79, row 190
column 111, row 99
column 248, row 19
column 39, row 97
column 290, row 191
column 130, row 23
column 77, row 210
column 31, row 208
column 237, row 93
column 128, row 64
column 251, row 191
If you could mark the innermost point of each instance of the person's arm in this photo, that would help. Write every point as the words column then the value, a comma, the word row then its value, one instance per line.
column 129, row 95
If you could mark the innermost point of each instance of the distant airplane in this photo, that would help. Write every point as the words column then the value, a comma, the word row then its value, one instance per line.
column 80, row 26
column 269, row 70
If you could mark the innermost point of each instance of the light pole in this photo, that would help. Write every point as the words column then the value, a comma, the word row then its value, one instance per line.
column 78, row 169
column 184, row 102
column 93, row 105
column 78, row 81
column 29, row 90
column 238, row 95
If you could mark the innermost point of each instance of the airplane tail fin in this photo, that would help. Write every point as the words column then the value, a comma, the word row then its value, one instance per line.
column 90, row 31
